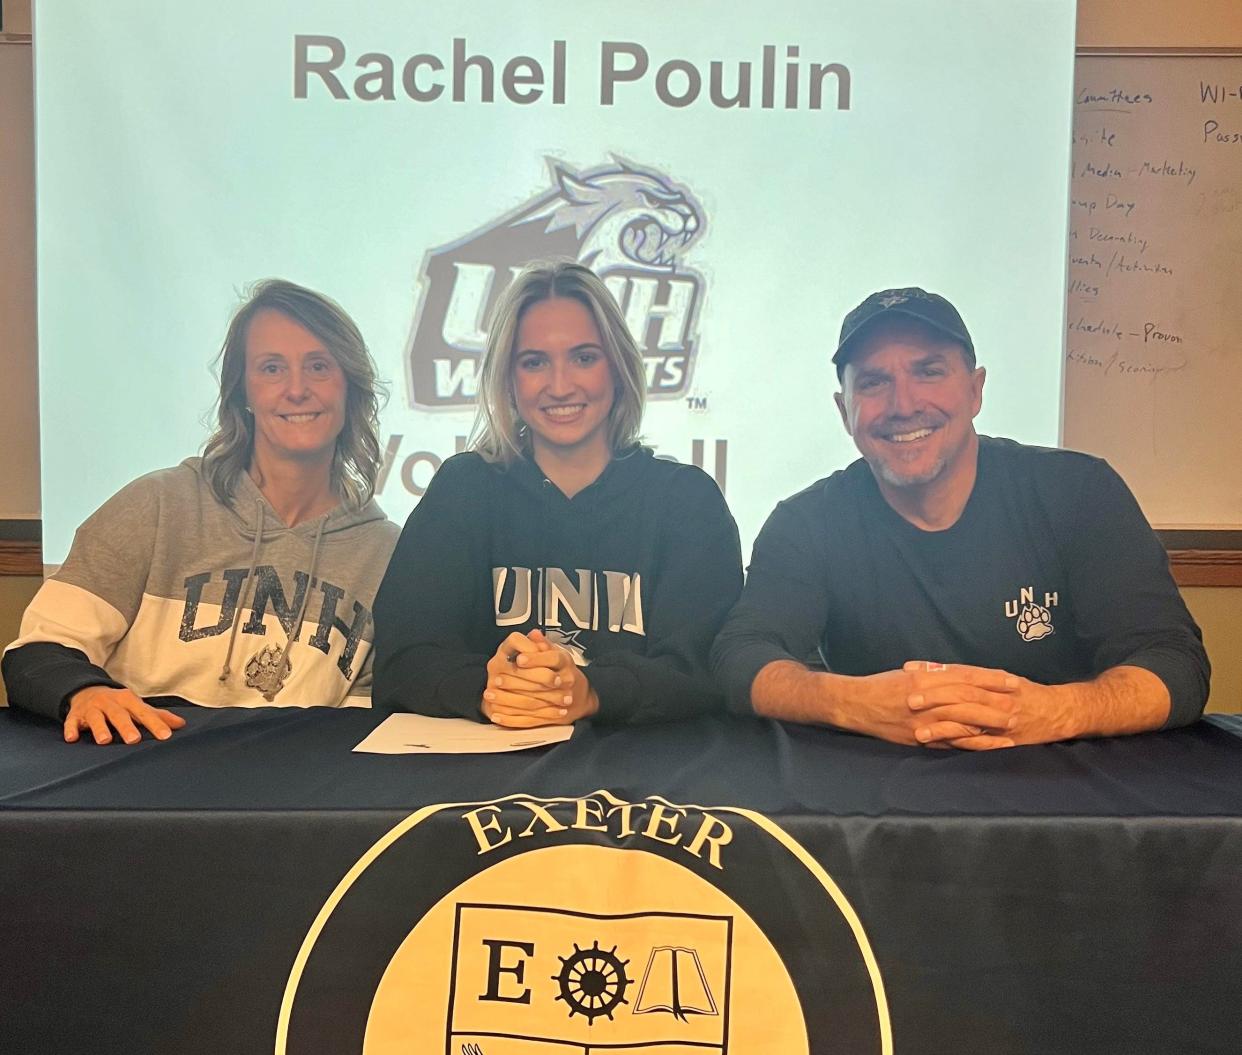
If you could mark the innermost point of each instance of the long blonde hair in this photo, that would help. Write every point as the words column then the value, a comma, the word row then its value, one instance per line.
column 356, row 461
column 498, row 433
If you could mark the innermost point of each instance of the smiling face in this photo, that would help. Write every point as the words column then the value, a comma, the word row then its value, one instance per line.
column 909, row 401
column 562, row 380
column 296, row 390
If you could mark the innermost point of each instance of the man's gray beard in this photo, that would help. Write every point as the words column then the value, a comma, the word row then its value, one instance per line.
column 893, row 479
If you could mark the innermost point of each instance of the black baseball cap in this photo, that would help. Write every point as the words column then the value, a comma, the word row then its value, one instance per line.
column 912, row 302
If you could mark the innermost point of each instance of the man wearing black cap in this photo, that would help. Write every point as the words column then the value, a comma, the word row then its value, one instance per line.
column 961, row 591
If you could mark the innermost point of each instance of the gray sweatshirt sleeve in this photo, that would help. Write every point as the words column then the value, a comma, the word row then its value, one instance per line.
column 76, row 619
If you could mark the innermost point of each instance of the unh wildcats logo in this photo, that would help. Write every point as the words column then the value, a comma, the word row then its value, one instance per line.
column 630, row 225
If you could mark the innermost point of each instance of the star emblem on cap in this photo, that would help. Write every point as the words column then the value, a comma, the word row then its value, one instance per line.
column 890, row 299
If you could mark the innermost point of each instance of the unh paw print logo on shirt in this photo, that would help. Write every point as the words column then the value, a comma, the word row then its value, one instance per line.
column 1035, row 622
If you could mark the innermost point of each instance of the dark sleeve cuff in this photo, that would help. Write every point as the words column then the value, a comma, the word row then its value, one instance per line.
column 42, row 676
column 458, row 695
column 617, row 690
column 736, row 669
column 633, row 695
column 1186, row 681
column 420, row 684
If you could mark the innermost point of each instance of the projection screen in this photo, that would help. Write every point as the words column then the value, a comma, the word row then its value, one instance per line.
column 741, row 175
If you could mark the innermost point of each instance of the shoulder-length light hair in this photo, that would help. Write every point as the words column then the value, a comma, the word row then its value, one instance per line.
column 499, row 435
column 356, row 461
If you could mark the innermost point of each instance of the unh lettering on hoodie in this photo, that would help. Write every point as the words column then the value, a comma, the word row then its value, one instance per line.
column 269, row 592
column 569, row 597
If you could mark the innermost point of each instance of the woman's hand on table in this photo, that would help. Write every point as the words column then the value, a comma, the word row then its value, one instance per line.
column 99, row 709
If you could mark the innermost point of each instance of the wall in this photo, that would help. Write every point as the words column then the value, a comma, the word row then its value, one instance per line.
column 1159, row 24
column 19, row 395
column 15, row 594
column 1218, row 611
column 1101, row 23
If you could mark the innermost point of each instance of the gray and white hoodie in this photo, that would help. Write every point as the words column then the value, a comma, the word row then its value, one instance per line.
column 169, row 593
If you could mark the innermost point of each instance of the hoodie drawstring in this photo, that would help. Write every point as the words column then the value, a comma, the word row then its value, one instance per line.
column 297, row 626
column 245, row 598
column 283, row 660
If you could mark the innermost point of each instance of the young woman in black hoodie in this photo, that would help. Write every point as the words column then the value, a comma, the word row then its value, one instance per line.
column 558, row 570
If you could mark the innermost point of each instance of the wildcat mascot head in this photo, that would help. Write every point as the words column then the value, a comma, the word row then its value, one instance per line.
column 624, row 216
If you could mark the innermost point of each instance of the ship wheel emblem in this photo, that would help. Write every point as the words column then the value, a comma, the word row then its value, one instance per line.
column 592, row 982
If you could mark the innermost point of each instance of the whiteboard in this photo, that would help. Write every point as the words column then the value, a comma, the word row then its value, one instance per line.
column 1153, row 372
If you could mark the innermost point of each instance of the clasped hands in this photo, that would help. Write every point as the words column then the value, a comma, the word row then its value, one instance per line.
column 532, row 682
column 943, row 705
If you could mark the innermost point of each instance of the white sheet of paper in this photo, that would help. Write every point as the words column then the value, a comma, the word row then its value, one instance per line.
column 416, row 734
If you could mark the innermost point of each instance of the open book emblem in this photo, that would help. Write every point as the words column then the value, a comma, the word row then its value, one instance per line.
column 674, row 982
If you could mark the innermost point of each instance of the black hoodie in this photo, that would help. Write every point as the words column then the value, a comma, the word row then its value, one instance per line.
column 634, row 575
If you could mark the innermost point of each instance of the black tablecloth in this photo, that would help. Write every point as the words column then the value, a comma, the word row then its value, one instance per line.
column 1075, row 897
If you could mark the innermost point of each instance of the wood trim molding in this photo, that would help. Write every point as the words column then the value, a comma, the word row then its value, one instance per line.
column 1206, row 567
column 21, row 558
column 1191, row 567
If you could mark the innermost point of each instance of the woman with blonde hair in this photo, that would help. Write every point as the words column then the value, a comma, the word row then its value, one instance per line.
column 242, row 578
column 558, row 570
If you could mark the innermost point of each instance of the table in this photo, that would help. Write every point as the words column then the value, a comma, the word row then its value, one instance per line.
column 1081, row 897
